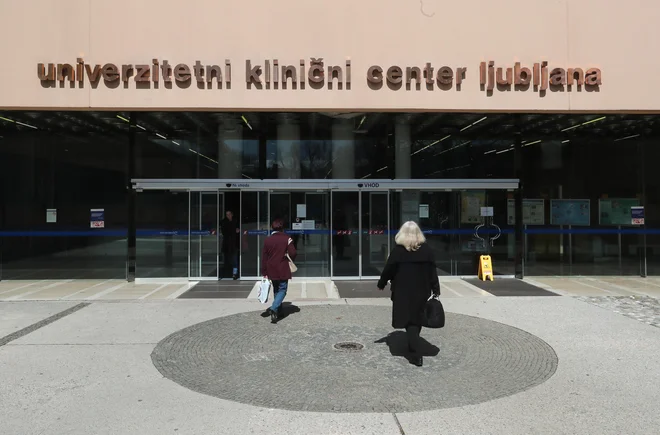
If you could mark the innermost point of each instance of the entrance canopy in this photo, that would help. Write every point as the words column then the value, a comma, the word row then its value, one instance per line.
column 444, row 184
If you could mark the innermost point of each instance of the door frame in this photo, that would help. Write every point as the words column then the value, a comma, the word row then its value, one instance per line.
column 275, row 186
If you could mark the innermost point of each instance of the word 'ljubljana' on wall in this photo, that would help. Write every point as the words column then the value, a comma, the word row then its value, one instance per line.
column 315, row 74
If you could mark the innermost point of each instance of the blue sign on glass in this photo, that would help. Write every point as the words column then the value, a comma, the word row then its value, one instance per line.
column 570, row 212
column 637, row 215
column 97, row 218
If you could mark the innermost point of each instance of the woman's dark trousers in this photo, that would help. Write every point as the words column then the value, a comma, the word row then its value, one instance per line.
column 413, row 331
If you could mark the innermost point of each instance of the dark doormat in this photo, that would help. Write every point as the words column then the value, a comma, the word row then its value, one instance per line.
column 509, row 287
column 361, row 289
column 220, row 290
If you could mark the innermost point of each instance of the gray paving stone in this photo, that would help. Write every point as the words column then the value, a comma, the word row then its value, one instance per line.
column 646, row 309
column 293, row 365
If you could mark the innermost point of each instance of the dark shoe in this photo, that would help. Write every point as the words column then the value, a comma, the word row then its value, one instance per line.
column 266, row 313
column 417, row 361
column 273, row 316
column 235, row 277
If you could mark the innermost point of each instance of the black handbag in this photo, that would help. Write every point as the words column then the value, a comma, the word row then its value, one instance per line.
column 434, row 313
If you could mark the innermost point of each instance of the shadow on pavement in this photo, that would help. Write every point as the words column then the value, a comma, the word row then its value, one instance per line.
column 398, row 343
column 286, row 310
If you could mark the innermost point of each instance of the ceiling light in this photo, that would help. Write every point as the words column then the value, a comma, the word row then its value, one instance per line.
column 382, row 169
column 585, row 123
column 490, row 152
column 26, row 125
column 246, row 122
column 505, row 151
column 176, row 143
column 122, row 118
column 474, row 123
column 139, row 126
column 362, row 121
column 627, row 137
column 160, row 136
column 19, row 123
column 430, row 145
column 531, row 143
column 452, row 148
column 566, row 141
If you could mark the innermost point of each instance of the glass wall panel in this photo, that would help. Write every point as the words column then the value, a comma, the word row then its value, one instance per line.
column 55, row 168
column 162, row 241
column 192, row 145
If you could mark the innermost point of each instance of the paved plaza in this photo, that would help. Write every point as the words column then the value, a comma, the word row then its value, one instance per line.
column 574, row 364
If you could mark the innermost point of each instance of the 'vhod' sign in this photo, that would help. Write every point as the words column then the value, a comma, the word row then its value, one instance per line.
column 315, row 74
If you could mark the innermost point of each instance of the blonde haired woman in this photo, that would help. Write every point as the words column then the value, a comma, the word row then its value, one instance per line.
column 412, row 272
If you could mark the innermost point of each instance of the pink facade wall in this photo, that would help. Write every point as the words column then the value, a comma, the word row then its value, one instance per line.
column 617, row 38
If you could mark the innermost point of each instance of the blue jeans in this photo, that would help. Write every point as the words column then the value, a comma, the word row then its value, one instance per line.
column 234, row 263
column 279, row 292
column 231, row 259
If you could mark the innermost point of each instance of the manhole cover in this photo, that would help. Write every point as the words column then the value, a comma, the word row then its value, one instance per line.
column 349, row 346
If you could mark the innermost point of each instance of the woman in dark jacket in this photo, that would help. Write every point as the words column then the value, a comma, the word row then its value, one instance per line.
column 412, row 271
column 275, row 265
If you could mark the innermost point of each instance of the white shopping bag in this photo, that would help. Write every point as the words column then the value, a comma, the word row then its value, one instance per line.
column 264, row 290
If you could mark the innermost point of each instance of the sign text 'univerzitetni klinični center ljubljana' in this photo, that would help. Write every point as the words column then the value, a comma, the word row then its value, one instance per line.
column 316, row 74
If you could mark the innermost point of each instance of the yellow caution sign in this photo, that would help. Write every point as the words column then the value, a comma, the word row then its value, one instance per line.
column 485, row 268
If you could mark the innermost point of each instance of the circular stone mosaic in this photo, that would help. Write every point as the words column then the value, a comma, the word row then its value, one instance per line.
column 294, row 364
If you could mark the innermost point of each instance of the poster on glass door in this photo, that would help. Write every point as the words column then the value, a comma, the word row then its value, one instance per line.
column 471, row 203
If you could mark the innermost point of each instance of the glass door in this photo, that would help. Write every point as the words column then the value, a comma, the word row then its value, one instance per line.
column 306, row 219
column 204, row 235
column 346, row 234
column 434, row 212
column 255, row 227
column 375, row 245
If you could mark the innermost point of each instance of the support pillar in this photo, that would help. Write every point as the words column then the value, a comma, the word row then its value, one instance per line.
column 402, row 148
column 131, row 196
column 288, row 148
column 343, row 149
column 230, row 151
column 518, row 199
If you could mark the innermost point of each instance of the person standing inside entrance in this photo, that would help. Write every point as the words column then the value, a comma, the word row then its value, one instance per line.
column 275, row 265
column 412, row 271
column 230, row 238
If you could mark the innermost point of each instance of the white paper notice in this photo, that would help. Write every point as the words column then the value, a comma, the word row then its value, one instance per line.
column 487, row 211
column 51, row 215
column 301, row 211
column 297, row 226
column 423, row 211
column 308, row 225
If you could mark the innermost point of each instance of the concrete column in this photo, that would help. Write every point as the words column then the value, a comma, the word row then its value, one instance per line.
column 403, row 146
column 343, row 149
column 230, row 151
column 288, row 149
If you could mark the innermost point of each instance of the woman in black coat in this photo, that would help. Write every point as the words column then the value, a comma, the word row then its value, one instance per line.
column 412, row 271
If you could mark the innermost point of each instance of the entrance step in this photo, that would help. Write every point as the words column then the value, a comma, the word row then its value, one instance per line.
column 304, row 290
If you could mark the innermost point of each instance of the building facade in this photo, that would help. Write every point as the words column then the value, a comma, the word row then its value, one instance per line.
column 527, row 130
